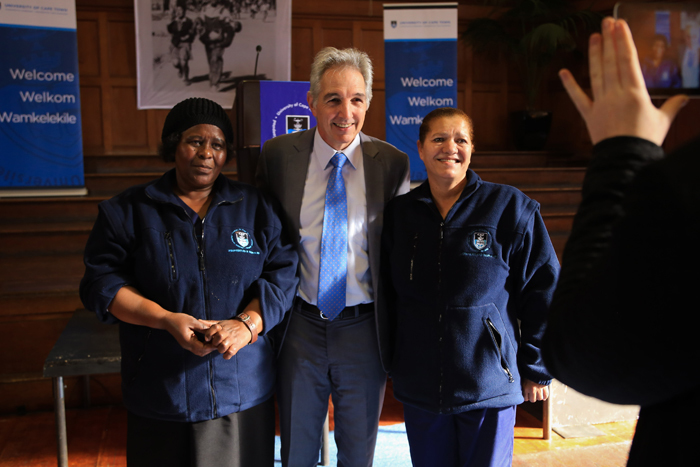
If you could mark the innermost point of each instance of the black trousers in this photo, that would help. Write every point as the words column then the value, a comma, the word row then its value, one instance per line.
column 240, row 439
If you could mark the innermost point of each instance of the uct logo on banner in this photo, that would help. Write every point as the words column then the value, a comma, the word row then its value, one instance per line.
column 289, row 119
column 297, row 123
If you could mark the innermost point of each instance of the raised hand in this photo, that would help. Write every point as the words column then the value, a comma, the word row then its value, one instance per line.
column 621, row 105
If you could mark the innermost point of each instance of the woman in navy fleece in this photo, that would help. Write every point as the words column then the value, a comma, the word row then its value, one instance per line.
column 194, row 269
column 469, row 271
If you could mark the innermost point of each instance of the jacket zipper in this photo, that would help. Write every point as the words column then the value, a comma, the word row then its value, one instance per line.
column 171, row 254
column 202, row 268
column 203, row 271
column 504, row 365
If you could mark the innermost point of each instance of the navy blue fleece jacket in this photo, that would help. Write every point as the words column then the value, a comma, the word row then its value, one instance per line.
column 470, row 295
column 145, row 238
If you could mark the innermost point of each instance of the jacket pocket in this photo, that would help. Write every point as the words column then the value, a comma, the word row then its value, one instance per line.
column 155, row 383
column 474, row 364
column 498, row 343
column 170, row 250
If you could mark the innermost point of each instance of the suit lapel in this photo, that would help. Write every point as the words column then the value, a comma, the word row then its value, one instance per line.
column 374, row 185
column 297, row 166
column 374, row 178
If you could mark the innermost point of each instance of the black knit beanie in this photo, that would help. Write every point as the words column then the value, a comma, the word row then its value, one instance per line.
column 194, row 111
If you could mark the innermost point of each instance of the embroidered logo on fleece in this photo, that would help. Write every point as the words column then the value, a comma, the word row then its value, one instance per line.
column 479, row 243
column 243, row 241
column 481, row 240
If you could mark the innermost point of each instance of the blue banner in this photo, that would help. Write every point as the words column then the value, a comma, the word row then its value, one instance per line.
column 420, row 50
column 663, row 24
column 283, row 108
column 40, row 130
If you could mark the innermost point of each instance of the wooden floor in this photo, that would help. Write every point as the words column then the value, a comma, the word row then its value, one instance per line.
column 97, row 438
column 531, row 450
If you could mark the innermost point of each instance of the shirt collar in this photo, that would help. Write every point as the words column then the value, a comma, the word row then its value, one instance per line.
column 323, row 152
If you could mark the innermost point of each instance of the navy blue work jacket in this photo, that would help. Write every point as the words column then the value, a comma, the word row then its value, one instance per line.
column 458, row 288
column 145, row 238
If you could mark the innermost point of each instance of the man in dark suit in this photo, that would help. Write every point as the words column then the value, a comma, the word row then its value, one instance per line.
column 337, row 342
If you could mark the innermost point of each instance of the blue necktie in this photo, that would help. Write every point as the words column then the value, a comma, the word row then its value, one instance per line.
column 333, row 270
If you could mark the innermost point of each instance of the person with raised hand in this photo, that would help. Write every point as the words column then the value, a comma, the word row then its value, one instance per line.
column 622, row 324
column 621, row 105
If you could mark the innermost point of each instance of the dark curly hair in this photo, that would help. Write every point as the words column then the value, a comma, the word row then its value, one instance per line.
column 167, row 149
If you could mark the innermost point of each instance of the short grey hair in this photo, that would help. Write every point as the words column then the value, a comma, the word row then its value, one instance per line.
column 330, row 57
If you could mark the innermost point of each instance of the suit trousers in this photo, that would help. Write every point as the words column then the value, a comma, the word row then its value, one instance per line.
column 475, row 438
column 339, row 358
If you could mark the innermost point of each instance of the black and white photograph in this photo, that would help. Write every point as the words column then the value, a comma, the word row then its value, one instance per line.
column 206, row 47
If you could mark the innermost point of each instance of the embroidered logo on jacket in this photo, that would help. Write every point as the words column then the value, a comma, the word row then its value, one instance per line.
column 481, row 240
column 243, row 242
column 479, row 244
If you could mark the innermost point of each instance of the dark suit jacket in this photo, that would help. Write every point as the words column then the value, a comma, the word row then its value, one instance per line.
column 282, row 169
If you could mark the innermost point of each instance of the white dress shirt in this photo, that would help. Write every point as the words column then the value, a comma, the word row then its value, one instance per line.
column 359, row 279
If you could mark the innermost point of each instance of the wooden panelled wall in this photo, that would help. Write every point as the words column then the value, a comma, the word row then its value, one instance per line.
column 488, row 87
column 112, row 125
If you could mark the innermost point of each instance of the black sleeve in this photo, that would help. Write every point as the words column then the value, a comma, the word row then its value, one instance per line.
column 622, row 323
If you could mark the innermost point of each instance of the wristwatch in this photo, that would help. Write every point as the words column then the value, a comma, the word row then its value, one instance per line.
column 245, row 319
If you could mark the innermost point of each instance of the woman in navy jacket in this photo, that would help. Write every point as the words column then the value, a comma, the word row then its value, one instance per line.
column 470, row 272
column 194, row 269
